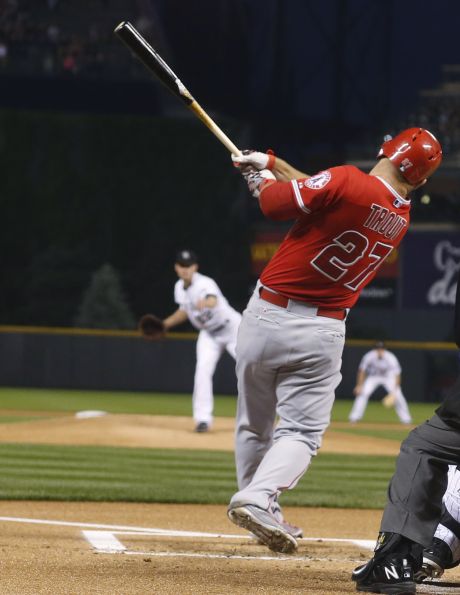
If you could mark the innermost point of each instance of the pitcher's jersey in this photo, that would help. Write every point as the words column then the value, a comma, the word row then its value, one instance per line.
column 386, row 365
column 347, row 223
column 207, row 318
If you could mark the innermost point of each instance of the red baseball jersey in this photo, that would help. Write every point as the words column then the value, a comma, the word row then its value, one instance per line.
column 347, row 223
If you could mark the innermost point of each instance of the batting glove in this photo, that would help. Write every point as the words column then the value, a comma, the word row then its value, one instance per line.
column 254, row 159
column 256, row 179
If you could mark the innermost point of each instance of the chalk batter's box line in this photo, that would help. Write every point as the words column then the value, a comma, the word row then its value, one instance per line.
column 102, row 537
column 108, row 539
column 106, row 542
column 130, row 530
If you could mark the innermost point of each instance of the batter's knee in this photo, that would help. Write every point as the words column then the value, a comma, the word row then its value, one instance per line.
column 311, row 440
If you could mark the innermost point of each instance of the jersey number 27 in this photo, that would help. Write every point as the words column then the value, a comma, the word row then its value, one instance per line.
column 344, row 254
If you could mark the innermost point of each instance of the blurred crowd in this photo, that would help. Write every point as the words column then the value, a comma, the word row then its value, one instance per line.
column 441, row 113
column 56, row 37
column 60, row 38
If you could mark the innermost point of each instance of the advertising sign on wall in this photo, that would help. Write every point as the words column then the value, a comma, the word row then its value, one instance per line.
column 423, row 271
column 431, row 263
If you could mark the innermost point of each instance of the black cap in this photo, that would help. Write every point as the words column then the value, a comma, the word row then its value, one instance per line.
column 186, row 258
column 380, row 345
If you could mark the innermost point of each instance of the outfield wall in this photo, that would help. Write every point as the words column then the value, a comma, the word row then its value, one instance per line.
column 121, row 360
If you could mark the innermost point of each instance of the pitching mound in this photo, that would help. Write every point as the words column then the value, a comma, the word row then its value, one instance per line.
column 155, row 431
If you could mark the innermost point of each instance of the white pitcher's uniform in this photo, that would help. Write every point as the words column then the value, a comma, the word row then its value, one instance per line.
column 380, row 370
column 218, row 328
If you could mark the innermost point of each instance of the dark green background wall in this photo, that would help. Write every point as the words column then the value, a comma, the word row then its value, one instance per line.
column 119, row 361
column 78, row 191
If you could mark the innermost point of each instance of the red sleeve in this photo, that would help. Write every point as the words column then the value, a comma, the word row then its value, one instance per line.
column 276, row 201
column 288, row 200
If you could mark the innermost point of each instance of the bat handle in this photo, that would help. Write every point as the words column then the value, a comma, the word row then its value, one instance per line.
column 214, row 128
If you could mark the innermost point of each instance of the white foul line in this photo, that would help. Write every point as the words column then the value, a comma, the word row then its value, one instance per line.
column 118, row 528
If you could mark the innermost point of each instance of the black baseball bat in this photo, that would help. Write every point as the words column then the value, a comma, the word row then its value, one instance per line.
column 155, row 63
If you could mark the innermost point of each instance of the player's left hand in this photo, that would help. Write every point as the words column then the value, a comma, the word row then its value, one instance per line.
column 255, row 159
column 151, row 327
column 256, row 179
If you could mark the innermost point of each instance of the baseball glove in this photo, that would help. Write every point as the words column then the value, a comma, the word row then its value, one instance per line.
column 389, row 400
column 151, row 327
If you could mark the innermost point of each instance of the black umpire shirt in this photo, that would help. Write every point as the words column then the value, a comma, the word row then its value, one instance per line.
column 449, row 411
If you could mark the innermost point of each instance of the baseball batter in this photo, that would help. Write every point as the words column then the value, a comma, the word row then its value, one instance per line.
column 379, row 367
column 200, row 300
column 292, row 334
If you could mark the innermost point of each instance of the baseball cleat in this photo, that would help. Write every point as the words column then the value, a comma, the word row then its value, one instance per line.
column 436, row 559
column 392, row 575
column 296, row 532
column 293, row 530
column 202, row 427
column 264, row 526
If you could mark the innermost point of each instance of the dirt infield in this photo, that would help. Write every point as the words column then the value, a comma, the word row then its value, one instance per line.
column 68, row 548
column 135, row 549
column 58, row 559
column 158, row 431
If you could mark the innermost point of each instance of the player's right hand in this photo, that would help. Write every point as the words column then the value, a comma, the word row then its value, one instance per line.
column 254, row 159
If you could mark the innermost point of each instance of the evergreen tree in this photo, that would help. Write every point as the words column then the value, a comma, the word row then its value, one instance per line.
column 104, row 305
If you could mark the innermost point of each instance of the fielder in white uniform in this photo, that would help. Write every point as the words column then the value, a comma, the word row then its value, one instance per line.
column 379, row 367
column 200, row 300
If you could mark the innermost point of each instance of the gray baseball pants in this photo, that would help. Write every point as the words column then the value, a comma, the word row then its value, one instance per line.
column 415, row 493
column 288, row 366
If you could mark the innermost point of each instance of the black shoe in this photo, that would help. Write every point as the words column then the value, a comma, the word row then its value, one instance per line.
column 202, row 427
column 391, row 575
column 436, row 559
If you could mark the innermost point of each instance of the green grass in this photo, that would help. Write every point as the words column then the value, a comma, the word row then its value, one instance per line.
column 14, row 419
column 396, row 434
column 39, row 472
column 376, row 413
column 26, row 399
column 45, row 472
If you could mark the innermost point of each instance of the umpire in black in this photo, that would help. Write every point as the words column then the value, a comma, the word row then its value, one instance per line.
column 415, row 494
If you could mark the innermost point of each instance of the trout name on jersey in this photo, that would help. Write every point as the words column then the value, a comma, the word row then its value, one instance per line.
column 386, row 222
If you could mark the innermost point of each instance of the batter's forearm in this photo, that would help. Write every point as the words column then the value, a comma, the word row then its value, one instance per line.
column 285, row 172
column 176, row 318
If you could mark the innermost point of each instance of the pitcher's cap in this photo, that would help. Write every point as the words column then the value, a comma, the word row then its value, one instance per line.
column 186, row 258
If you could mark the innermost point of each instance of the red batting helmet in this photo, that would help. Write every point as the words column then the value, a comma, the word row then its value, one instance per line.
column 415, row 152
